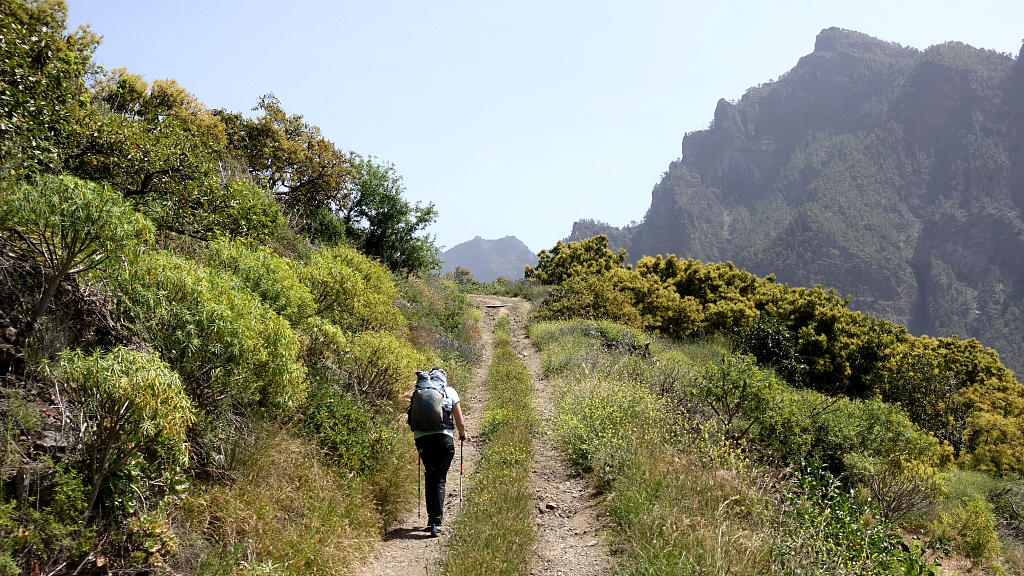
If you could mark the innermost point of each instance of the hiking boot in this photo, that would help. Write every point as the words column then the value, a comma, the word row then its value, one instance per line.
column 434, row 530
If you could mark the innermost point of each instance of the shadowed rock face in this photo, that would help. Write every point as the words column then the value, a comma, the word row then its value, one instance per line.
column 489, row 259
column 891, row 174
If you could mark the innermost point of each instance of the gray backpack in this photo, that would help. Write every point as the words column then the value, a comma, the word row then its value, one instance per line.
column 427, row 412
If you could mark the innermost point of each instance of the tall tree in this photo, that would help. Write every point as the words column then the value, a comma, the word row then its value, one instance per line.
column 165, row 152
column 383, row 224
column 42, row 81
column 304, row 171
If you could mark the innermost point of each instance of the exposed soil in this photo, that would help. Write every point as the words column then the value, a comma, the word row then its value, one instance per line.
column 569, row 526
column 569, row 541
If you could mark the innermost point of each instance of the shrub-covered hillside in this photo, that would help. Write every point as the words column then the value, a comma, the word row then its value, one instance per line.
column 796, row 383
column 207, row 320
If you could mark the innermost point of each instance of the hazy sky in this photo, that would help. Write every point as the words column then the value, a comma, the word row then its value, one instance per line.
column 514, row 118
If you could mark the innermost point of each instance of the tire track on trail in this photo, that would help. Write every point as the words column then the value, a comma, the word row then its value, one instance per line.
column 570, row 529
column 570, row 538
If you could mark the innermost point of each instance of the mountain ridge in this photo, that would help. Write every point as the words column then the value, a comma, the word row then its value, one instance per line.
column 892, row 174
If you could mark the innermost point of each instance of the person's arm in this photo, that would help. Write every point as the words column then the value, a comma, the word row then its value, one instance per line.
column 457, row 416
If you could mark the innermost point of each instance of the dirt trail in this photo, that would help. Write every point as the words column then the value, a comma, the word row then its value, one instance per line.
column 569, row 539
column 569, row 526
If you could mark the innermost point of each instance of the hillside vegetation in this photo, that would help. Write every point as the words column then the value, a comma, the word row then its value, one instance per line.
column 207, row 320
column 822, row 436
column 891, row 174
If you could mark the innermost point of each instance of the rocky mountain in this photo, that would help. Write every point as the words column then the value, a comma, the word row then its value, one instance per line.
column 892, row 174
column 489, row 259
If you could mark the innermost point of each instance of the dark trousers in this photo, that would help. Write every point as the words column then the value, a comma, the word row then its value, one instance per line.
column 436, row 452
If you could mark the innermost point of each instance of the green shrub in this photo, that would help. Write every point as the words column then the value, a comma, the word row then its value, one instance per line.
column 773, row 345
column 948, row 385
column 352, row 291
column 593, row 297
column 589, row 257
column 994, row 429
column 805, row 426
column 7, row 565
column 343, row 426
column 130, row 405
column 898, row 485
column 232, row 351
column 51, row 534
column 786, row 425
column 68, row 226
column 374, row 365
column 265, row 274
column 356, row 439
column 970, row 526
column 819, row 529
column 734, row 393
column 239, row 208
column 970, row 484
column 8, row 527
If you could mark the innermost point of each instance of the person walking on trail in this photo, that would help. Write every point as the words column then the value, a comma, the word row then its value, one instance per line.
column 435, row 411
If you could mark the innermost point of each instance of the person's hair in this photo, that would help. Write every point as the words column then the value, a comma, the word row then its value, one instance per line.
column 438, row 369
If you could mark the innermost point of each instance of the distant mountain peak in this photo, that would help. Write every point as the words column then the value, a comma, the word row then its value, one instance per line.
column 488, row 260
column 842, row 40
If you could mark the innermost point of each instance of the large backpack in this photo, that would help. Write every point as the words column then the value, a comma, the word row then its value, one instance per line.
column 427, row 411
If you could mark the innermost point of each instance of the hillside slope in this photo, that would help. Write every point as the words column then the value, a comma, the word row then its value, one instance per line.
column 891, row 174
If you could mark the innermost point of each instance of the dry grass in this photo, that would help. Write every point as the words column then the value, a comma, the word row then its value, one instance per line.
column 285, row 512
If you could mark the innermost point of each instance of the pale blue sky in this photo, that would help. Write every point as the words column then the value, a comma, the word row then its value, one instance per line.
column 514, row 118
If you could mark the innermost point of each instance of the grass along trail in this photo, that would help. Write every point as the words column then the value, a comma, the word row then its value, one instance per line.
column 570, row 540
column 496, row 533
column 564, row 508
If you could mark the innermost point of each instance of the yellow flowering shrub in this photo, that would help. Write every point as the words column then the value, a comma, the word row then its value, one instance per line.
column 232, row 351
column 266, row 275
column 352, row 291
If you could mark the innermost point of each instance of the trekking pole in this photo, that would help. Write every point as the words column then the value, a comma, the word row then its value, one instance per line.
column 419, row 493
column 461, row 441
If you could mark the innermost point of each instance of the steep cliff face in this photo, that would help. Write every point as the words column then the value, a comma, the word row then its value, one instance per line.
column 892, row 174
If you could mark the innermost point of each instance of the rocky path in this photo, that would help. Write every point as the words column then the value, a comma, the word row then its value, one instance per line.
column 569, row 539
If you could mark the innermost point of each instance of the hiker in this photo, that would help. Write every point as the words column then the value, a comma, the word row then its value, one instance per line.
column 434, row 413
